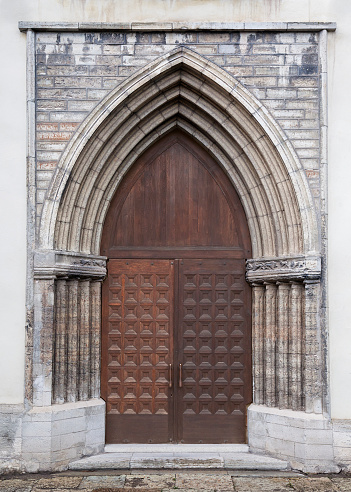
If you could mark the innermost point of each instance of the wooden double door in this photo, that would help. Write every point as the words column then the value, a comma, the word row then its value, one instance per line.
column 176, row 339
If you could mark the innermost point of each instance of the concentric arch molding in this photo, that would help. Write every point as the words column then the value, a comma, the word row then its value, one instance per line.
column 283, row 268
column 182, row 89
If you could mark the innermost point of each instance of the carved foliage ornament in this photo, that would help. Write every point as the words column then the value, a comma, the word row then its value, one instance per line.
column 301, row 268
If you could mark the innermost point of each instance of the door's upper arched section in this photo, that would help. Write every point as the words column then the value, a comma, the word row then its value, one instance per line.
column 175, row 201
column 182, row 89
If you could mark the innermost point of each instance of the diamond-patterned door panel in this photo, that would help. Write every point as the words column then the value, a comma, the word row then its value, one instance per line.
column 215, row 350
column 138, row 349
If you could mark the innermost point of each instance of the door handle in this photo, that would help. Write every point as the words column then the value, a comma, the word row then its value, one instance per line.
column 180, row 382
column 170, row 382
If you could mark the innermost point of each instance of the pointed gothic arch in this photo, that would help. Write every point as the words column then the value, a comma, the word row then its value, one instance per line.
column 182, row 89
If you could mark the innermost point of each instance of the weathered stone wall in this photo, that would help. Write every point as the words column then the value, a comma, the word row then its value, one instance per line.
column 75, row 70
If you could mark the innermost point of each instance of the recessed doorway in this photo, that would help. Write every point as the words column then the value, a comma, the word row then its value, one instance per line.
column 176, row 344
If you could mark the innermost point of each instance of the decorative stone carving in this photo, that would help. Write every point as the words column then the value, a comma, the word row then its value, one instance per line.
column 275, row 269
column 69, row 264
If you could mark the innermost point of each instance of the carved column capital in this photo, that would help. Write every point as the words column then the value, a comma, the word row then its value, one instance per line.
column 283, row 269
column 69, row 264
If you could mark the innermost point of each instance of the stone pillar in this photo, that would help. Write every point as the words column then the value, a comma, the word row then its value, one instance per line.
column 296, row 335
column 258, row 299
column 73, row 340
column 282, row 349
column 43, row 333
column 84, row 340
column 95, row 317
column 287, row 362
column 60, row 344
column 76, row 357
column 312, row 355
column 270, row 344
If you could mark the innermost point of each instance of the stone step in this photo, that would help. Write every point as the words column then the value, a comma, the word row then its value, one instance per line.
column 179, row 457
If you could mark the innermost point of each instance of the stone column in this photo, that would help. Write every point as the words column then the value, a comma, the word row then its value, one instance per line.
column 95, row 318
column 258, row 300
column 84, row 339
column 43, row 333
column 73, row 340
column 282, row 352
column 270, row 344
column 312, row 356
column 296, row 334
column 60, row 354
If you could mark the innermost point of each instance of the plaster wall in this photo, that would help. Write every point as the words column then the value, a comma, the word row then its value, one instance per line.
column 13, row 151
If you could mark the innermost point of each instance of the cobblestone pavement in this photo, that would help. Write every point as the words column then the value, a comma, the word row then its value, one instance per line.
column 157, row 481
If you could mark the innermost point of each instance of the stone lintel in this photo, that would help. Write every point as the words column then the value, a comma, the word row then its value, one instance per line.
column 176, row 26
column 283, row 269
column 68, row 264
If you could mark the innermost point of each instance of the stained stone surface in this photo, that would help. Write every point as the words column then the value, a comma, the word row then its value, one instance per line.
column 342, row 484
column 164, row 481
column 92, row 482
column 157, row 481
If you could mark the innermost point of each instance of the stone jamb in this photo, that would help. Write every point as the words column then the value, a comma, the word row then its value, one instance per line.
column 323, row 57
column 31, row 212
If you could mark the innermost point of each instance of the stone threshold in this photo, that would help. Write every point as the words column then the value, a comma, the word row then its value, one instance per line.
column 176, row 26
column 179, row 456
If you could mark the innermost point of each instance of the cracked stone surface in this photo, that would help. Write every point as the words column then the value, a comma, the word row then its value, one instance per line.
column 190, row 481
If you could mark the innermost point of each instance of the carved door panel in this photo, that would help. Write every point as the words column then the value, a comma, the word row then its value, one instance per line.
column 176, row 351
column 137, row 350
column 214, row 351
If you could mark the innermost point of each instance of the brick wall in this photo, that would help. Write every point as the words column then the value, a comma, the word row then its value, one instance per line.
column 74, row 71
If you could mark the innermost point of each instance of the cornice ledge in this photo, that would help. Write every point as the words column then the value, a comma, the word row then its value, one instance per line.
column 175, row 26
column 68, row 264
column 283, row 269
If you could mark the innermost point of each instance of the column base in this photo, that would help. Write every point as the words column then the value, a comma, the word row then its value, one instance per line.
column 305, row 440
column 55, row 435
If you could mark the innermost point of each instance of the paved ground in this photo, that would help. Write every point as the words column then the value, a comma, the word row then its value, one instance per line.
column 157, row 481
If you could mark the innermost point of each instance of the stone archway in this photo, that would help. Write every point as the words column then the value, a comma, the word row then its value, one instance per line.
column 183, row 90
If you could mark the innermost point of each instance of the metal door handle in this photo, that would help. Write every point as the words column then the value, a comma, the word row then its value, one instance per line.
column 180, row 383
column 170, row 382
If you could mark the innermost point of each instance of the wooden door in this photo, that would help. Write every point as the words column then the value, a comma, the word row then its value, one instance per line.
column 138, row 350
column 213, row 351
column 176, row 215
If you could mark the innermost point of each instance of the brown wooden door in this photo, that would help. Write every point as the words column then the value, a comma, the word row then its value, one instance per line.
column 213, row 348
column 176, row 236
column 138, row 350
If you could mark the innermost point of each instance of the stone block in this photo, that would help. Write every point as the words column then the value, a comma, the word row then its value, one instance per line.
column 36, row 429
column 81, row 105
column 73, row 440
column 35, row 445
column 285, row 432
column 95, row 437
column 322, row 452
column 318, row 436
column 342, row 454
column 69, row 116
column 181, row 38
column 279, row 448
column 68, row 426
